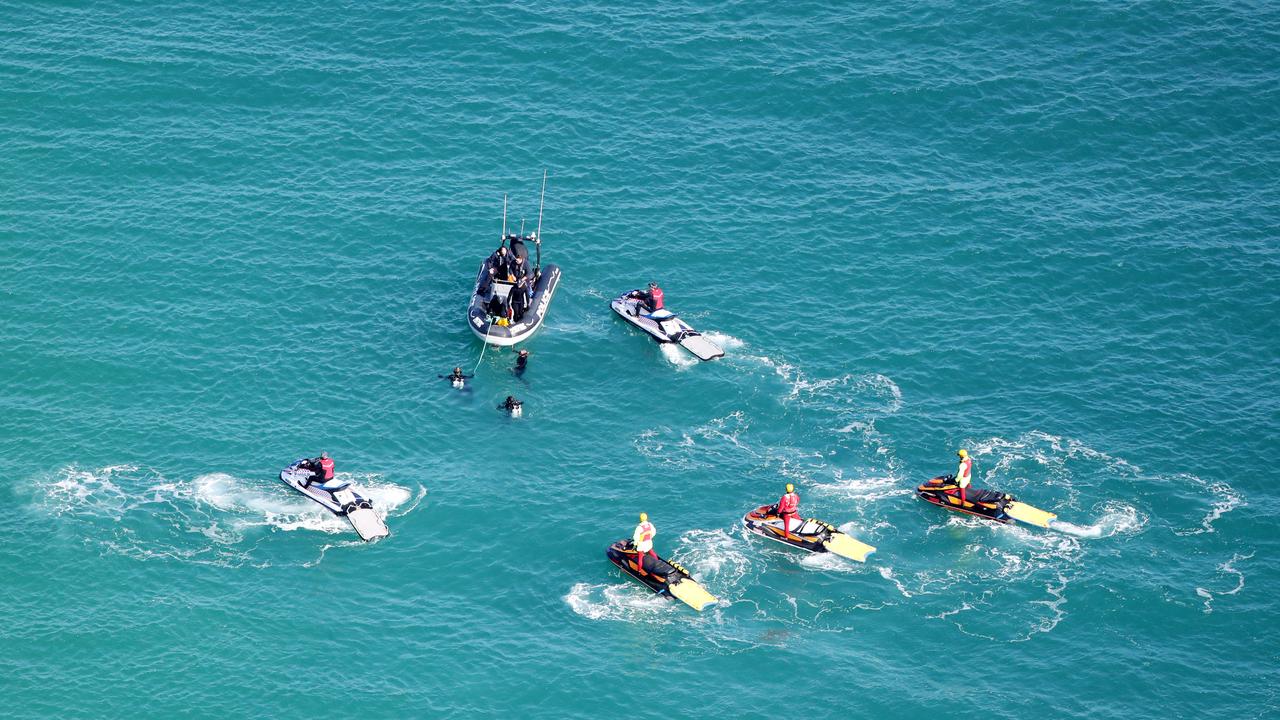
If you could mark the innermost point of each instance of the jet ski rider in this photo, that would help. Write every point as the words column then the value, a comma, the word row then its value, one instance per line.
column 651, row 299
column 642, row 539
column 964, row 473
column 786, row 508
column 322, row 466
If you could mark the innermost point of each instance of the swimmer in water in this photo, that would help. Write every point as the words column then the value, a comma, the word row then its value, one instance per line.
column 456, row 377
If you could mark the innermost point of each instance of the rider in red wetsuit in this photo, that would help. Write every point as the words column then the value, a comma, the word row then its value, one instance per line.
column 787, row 507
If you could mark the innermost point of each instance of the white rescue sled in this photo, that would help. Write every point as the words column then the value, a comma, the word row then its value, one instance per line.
column 338, row 497
column 665, row 327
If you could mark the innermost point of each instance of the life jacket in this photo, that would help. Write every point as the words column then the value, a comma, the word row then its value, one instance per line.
column 326, row 464
column 656, row 296
column 963, row 472
column 643, row 536
column 788, row 504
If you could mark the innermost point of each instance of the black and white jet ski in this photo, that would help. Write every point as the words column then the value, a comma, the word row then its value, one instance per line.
column 661, row 576
column 989, row 504
column 808, row 534
column 337, row 496
column 503, row 310
column 664, row 326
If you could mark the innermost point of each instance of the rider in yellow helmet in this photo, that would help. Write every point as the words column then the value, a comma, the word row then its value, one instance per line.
column 964, row 473
column 642, row 538
column 786, row 508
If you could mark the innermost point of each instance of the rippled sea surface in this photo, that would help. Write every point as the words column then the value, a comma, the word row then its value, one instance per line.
column 233, row 234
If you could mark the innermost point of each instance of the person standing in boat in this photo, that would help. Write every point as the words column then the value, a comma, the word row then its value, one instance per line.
column 642, row 538
column 787, row 507
column 964, row 473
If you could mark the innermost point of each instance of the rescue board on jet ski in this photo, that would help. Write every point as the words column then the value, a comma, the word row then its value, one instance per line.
column 808, row 534
column 989, row 504
column 665, row 326
column 664, row 577
column 338, row 498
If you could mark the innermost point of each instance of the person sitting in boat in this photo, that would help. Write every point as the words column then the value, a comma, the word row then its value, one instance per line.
column 499, row 307
column 964, row 473
column 642, row 539
column 501, row 262
column 650, row 299
column 321, row 469
column 486, row 282
column 786, row 508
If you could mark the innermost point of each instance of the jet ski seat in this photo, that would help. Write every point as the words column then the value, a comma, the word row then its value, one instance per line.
column 982, row 495
column 661, row 314
column 333, row 485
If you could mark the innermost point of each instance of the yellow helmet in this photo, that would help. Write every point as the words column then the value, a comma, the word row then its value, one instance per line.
column 963, row 453
column 791, row 488
column 644, row 517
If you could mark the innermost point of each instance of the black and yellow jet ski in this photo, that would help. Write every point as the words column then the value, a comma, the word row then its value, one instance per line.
column 661, row 576
column 808, row 534
column 990, row 504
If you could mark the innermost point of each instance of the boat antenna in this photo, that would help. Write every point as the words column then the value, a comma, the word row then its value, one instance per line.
column 504, row 220
column 537, row 240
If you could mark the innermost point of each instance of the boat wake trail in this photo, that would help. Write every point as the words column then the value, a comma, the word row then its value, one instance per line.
column 214, row 518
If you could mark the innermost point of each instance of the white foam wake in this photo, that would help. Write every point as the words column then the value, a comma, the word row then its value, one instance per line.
column 677, row 355
column 626, row 602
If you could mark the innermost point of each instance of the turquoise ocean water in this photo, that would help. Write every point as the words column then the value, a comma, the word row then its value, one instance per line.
column 232, row 234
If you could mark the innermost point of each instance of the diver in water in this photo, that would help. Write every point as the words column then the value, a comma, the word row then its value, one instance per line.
column 511, row 405
column 522, row 362
column 964, row 473
column 642, row 539
column 321, row 469
column 456, row 377
column 786, row 508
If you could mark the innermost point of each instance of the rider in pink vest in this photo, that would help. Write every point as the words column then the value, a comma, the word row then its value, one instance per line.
column 787, row 507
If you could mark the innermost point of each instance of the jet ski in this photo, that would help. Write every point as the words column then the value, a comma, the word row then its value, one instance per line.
column 990, row 504
column 808, row 534
column 504, row 312
column 664, row 326
column 338, row 497
column 661, row 576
